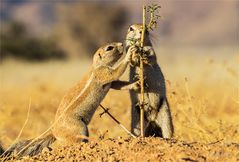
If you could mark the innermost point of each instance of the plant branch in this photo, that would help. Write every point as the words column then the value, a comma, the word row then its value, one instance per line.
column 106, row 110
column 142, row 74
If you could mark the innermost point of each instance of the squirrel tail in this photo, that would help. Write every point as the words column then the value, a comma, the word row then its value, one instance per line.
column 1, row 150
column 29, row 147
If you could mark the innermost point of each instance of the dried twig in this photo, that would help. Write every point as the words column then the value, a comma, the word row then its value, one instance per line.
column 142, row 75
column 152, row 24
column 154, row 16
column 24, row 125
column 106, row 110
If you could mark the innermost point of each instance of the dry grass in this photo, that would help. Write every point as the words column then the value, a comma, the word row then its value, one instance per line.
column 203, row 90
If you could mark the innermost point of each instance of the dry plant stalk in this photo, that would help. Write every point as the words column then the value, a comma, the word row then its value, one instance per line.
column 152, row 24
column 142, row 75
column 25, row 123
column 106, row 110
column 20, row 133
column 153, row 15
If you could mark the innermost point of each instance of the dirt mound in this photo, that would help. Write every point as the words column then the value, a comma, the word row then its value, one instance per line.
column 141, row 149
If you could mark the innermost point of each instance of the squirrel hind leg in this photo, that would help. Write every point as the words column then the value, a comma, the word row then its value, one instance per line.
column 164, row 120
column 135, row 119
column 153, row 130
column 73, row 133
column 80, row 134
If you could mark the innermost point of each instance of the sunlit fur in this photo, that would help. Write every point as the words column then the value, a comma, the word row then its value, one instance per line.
column 85, row 97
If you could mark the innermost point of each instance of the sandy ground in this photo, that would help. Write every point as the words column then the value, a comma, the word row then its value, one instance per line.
column 141, row 149
column 202, row 89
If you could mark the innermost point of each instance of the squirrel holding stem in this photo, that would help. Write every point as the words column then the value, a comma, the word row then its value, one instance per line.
column 158, row 120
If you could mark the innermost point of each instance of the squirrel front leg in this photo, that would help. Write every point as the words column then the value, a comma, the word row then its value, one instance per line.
column 151, row 57
column 118, row 71
column 125, row 85
column 114, row 74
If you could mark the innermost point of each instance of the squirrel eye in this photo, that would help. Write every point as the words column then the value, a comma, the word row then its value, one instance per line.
column 131, row 29
column 109, row 48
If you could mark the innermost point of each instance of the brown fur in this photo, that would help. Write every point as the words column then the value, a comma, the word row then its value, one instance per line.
column 73, row 119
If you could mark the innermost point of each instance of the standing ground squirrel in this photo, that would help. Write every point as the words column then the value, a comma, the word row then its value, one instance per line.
column 80, row 102
column 89, row 93
column 158, row 118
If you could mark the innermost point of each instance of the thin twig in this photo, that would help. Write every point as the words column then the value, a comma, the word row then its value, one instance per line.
column 142, row 75
column 151, row 21
column 151, row 25
column 122, row 126
column 24, row 125
column 153, row 17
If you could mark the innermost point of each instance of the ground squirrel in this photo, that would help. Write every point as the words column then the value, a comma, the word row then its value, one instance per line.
column 79, row 104
column 158, row 120
column 96, row 84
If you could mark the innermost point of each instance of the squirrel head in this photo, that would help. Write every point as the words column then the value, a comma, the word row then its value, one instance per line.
column 108, row 55
column 134, row 34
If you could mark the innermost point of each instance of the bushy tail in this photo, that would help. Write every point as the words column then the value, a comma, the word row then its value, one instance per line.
column 1, row 150
column 29, row 147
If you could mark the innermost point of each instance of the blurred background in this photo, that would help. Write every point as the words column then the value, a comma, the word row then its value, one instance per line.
column 38, row 30
column 46, row 47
